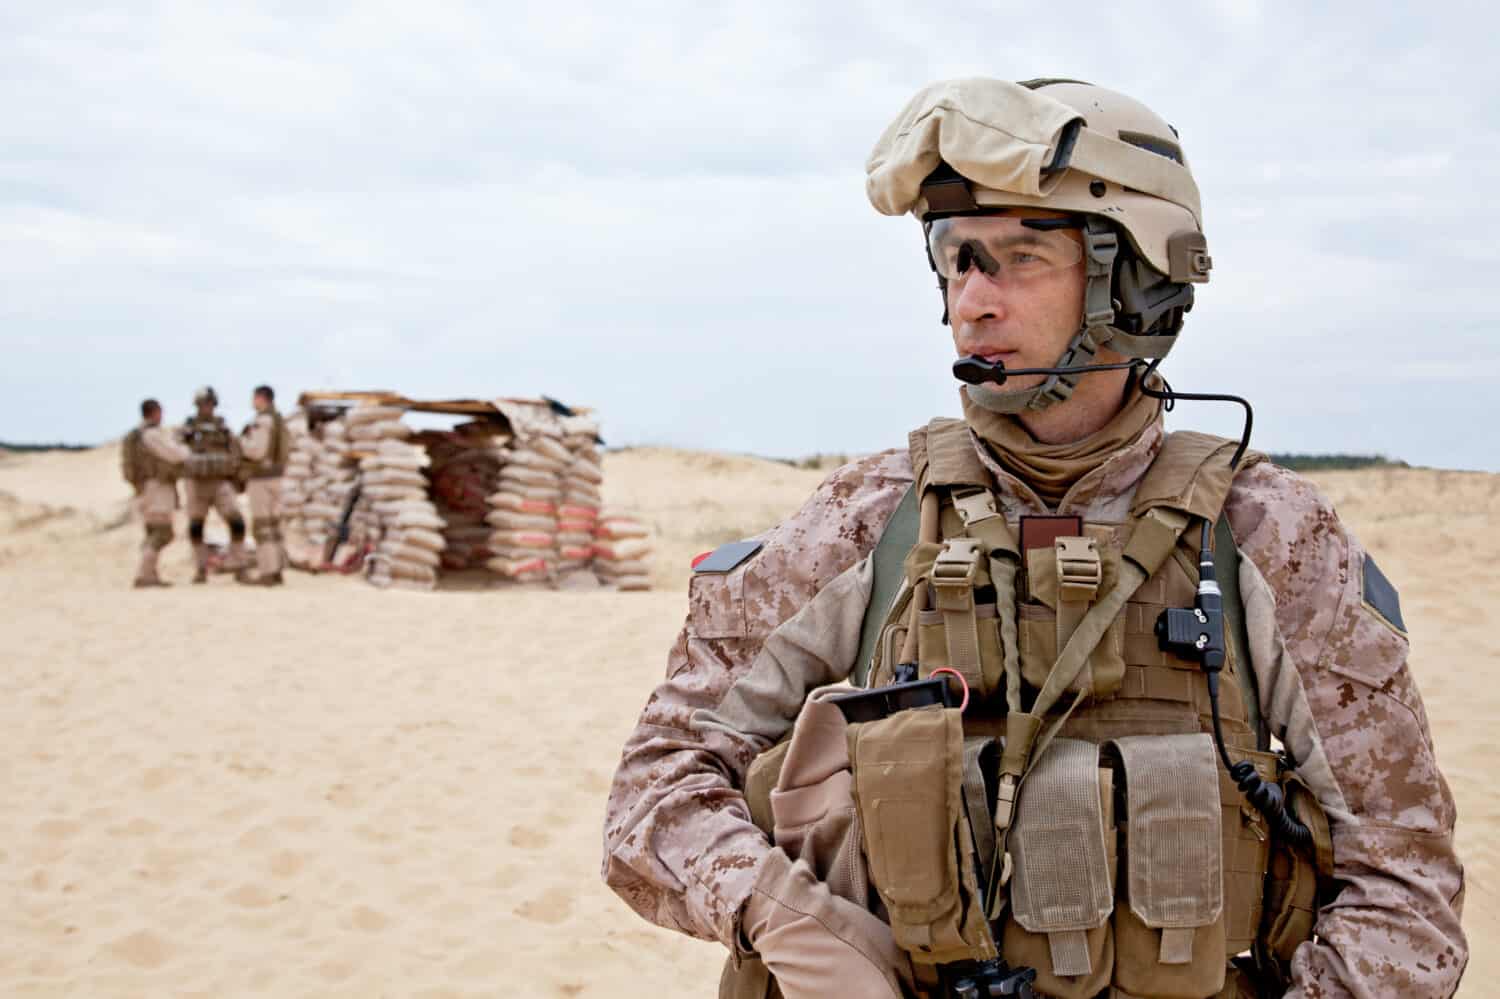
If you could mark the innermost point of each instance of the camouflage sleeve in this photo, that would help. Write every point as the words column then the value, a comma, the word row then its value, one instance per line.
column 1393, row 927
column 679, row 846
column 256, row 441
column 164, row 446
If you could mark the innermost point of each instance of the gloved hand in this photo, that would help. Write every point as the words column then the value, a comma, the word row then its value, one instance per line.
column 816, row 943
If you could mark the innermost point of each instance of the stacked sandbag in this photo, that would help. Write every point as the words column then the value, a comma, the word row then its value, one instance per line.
column 622, row 550
column 333, row 475
column 582, row 493
column 524, row 509
column 411, row 529
column 294, row 489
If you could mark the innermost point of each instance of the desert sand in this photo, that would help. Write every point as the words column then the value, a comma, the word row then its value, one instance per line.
column 331, row 790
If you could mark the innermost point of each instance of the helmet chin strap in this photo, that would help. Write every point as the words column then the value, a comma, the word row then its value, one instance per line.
column 1101, row 245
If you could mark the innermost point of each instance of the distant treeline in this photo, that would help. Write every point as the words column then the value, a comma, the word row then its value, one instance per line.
column 8, row 446
column 1296, row 462
column 1323, row 462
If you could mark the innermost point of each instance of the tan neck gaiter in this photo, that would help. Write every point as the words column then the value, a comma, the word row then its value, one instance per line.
column 1051, row 469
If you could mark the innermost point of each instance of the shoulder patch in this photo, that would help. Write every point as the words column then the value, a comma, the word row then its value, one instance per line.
column 1380, row 596
column 726, row 557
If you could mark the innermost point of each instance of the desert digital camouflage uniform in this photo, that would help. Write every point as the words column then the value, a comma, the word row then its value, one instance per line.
column 259, row 446
column 1323, row 632
column 208, row 437
column 163, row 457
column 681, row 848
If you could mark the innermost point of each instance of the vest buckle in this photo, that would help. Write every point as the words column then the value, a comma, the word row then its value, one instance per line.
column 954, row 573
column 975, row 506
column 1079, row 569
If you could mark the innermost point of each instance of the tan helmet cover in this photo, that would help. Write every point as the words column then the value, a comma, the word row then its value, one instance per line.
column 205, row 394
column 1001, row 136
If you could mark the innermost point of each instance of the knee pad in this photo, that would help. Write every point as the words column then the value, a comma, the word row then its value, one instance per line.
column 237, row 530
column 158, row 536
column 195, row 531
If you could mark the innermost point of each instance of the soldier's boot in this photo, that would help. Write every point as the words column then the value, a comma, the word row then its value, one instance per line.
column 200, row 559
column 145, row 572
column 235, row 560
column 274, row 579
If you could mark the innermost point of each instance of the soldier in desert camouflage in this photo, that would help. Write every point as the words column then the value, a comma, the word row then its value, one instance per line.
column 210, row 473
column 264, row 446
column 152, row 459
column 1065, row 231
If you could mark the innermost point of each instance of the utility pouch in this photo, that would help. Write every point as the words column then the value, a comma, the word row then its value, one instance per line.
column 908, row 785
column 1169, row 929
column 1293, row 882
column 1059, row 595
column 956, row 632
column 1062, row 893
column 209, row 465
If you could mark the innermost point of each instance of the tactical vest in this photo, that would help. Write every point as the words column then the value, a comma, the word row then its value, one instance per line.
column 214, row 454
column 273, row 465
column 1098, row 839
column 138, row 465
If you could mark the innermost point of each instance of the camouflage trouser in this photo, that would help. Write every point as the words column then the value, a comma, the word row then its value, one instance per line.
column 157, row 503
column 217, row 494
column 265, row 517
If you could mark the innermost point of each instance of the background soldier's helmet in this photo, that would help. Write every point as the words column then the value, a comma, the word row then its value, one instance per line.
column 977, row 146
column 205, row 394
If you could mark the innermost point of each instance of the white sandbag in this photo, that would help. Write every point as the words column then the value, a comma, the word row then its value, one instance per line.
column 529, row 476
column 511, row 521
column 420, row 537
column 420, row 518
column 519, row 502
column 620, row 551
column 416, row 554
column 629, row 567
column 528, row 458
column 393, row 430
column 619, row 528
column 523, row 539
column 550, row 447
column 588, row 471
column 368, row 413
column 632, row 583
column 534, row 567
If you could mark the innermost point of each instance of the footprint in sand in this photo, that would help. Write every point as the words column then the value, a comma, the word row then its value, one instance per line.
column 527, row 838
column 252, row 896
column 554, row 906
column 370, row 920
column 143, row 949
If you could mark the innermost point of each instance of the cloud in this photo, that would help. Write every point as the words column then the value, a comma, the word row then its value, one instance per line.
column 659, row 210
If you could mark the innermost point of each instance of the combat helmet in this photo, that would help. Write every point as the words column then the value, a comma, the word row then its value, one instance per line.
column 205, row 394
column 977, row 146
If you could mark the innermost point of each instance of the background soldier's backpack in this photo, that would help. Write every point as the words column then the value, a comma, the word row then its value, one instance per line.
column 132, row 468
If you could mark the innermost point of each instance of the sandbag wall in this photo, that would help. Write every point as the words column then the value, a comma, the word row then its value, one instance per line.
column 320, row 473
column 409, row 529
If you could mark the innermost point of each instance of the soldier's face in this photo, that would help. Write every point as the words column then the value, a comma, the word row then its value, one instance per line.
column 205, row 409
column 153, row 418
column 1006, row 313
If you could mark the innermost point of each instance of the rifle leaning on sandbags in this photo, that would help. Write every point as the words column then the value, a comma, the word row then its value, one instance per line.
column 340, row 534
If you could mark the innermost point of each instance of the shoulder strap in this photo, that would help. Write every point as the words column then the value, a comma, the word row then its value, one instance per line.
column 1227, row 571
column 890, row 553
column 950, row 458
column 1190, row 474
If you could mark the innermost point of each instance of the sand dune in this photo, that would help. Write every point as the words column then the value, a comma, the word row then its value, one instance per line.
column 331, row 790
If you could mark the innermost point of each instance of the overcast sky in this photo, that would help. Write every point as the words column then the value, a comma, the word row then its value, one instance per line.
column 658, row 209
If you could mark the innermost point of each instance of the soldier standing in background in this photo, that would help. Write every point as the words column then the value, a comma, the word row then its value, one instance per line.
column 150, row 461
column 211, row 472
column 265, row 444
